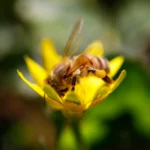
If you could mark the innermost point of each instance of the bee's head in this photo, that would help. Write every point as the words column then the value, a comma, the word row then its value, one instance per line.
column 58, row 79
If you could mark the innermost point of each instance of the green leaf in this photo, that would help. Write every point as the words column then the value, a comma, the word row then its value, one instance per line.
column 51, row 93
column 72, row 97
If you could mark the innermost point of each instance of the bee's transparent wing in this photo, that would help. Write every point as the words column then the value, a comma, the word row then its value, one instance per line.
column 74, row 39
column 80, row 61
column 96, row 48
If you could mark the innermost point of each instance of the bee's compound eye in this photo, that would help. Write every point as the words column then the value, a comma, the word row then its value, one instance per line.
column 53, row 85
column 65, row 76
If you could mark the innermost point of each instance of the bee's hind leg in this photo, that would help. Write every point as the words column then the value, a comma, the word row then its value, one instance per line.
column 107, row 79
column 101, row 74
column 97, row 72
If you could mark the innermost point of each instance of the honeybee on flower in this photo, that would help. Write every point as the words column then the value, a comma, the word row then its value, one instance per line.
column 67, row 73
column 73, row 84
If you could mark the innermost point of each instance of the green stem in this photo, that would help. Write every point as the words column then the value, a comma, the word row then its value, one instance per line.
column 74, row 122
column 76, row 129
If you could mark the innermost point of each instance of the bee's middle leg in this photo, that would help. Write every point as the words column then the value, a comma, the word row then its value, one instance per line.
column 74, row 80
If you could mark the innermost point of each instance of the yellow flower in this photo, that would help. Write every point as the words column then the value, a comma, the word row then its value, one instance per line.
column 90, row 91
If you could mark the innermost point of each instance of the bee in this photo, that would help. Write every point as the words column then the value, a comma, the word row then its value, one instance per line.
column 67, row 73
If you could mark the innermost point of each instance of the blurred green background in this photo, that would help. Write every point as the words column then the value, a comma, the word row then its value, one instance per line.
column 122, row 121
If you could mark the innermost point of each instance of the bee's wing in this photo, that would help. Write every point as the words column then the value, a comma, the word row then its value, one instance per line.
column 80, row 61
column 96, row 48
column 73, row 38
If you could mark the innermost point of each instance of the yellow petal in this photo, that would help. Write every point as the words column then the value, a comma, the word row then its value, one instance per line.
column 96, row 48
column 38, row 73
column 51, row 93
column 79, row 90
column 107, row 89
column 53, row 104
column 118, row 81
column 103, row 91
column 90, row 85
column 115, row 65
column 100, row 99
column 49, row 55
column 101, row 94
column 72, row 102
column 35, row 87
column 38, row 90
